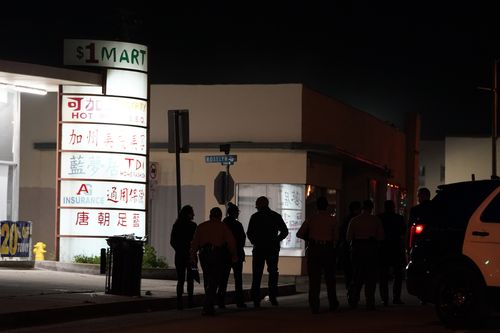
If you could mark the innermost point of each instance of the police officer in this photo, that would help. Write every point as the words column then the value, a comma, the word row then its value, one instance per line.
column 321, row 235
column 266, row 229
column 212, row 239
column 365, row 231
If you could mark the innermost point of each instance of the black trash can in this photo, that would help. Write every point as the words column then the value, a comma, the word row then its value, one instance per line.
column 123, row 274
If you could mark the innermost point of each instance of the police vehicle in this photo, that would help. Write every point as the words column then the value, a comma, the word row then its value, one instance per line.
column 454, row 253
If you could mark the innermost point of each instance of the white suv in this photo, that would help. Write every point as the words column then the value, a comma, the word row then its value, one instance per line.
column 454, row 258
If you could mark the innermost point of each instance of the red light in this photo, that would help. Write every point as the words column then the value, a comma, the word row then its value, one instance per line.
column 416, row 229
column 419, row 228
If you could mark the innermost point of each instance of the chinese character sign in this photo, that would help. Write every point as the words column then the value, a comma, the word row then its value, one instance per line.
column 110, row 138
column 103, row 144
column 77, row 193
column 87, row 221
column 104, row 110
column 103, row 166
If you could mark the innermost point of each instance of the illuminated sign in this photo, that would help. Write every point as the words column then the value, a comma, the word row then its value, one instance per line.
column 104, row 109
column 103, row 147
column 97, row 194
column 100, row 53
column 101, row 222
column 110, row 138
column 103, row 166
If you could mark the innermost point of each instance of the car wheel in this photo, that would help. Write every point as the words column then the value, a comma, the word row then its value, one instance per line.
column 460, row 299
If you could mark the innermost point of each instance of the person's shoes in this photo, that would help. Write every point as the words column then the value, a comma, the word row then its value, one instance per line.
column 398, row 301
column 208, row 312
column 241, row 305
column 334, row 306
column 371, row 307
column 273, row 301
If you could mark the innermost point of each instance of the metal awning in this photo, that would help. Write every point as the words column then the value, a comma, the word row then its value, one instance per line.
column 44, row 77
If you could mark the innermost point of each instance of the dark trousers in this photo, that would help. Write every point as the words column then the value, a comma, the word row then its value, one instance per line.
column 183, row 269
column 261, row 257
column 364, row 256
column 238, row 283
column 321, row 260
column 345, row 264
column 392, row 258
column 212, row 263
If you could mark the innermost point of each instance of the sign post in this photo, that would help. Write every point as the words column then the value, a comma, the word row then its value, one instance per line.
column 223, row 183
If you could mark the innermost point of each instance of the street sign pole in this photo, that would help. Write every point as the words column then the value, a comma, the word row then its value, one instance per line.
column 226, row 148
column 177, row 162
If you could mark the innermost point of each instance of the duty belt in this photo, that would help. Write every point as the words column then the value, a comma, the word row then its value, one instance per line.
column 320, row 242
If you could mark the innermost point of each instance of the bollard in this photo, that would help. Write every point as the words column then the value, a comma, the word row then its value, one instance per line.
column 103, row 261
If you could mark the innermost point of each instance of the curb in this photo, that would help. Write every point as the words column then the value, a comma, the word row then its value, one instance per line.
column 134, row 305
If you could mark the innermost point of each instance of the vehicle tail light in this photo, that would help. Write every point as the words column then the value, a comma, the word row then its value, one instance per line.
column 416, row 229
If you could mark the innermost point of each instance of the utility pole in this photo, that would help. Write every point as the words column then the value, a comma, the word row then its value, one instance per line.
column 494, row 117
column 494, row 123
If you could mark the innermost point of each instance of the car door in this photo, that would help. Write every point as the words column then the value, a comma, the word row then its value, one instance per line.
column 482, row 238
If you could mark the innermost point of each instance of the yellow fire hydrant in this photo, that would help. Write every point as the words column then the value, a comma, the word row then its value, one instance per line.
column 39, row 251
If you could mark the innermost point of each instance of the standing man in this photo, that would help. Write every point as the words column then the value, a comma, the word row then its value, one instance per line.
column 238, row 232
column 266, row 229
column 392, row 254
column 365, row 232
column 321, row 235
column 212, row 239
column 180, row 239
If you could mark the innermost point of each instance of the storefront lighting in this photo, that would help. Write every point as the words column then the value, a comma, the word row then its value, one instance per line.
column 24, row 89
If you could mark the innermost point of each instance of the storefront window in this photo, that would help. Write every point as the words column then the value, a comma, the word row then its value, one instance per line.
column 9, row 153
column 286, row 199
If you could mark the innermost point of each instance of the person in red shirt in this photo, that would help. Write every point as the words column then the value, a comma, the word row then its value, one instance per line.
column 321, row 235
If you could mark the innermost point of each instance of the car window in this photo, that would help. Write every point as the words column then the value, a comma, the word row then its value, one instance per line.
column 453, row 208
column 492, row 212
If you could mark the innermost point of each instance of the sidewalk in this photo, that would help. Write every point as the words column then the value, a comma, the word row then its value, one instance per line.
column 34, row 296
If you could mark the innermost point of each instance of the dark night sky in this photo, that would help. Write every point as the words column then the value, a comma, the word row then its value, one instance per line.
column 383, row 58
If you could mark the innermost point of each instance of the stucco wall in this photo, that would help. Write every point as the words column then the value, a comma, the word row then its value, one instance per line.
column 257, row 113
column 327, row 121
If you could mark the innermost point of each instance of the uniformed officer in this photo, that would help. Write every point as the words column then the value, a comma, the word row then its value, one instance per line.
column 365, row 232
column 321, row 235
column 212, row 239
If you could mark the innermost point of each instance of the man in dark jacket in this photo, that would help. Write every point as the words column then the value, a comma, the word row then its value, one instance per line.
column 236, row 228
column 266, row 229
column 392, row 254
column 180, row 239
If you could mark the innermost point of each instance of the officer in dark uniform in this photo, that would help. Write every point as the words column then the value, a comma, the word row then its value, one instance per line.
column 321, row 235
column 266, row 229
column 365, row 232
column 212, row 239
column 232, row 222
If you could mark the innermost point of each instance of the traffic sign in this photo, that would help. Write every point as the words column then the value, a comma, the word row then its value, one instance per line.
column 222, row 159
column 223, row 187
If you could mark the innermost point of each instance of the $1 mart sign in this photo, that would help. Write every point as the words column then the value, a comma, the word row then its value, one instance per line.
column 85, row 52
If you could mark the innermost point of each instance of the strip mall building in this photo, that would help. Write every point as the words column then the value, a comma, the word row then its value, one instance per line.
column 292, row 145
